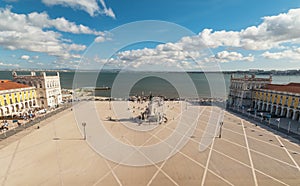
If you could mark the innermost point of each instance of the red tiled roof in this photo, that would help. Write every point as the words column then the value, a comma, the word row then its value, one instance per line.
column 8, row 85
column 291, row 87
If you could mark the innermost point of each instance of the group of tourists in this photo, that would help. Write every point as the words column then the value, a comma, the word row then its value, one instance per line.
column 4, row 125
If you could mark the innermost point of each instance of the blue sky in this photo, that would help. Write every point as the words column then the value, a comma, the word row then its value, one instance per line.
column 240, row 34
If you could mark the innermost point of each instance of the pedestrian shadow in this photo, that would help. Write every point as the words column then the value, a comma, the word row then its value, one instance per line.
column 67, row 139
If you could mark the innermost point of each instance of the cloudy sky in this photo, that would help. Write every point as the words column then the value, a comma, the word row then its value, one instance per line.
column 234, row 34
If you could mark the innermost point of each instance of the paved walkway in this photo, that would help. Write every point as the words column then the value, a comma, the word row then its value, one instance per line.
column 14, row 128
column 246, row 154
column 284, row 125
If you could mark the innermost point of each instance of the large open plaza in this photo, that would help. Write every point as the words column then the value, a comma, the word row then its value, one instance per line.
column 58, row 154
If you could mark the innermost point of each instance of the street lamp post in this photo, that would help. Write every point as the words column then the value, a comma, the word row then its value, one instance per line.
column 109, row 102
column 289, row 127
column 220, row 132
column 185, row 104
column 84, row 133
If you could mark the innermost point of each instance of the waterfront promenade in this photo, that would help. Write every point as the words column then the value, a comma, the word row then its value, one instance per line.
column 286, row 126
column 57, row 154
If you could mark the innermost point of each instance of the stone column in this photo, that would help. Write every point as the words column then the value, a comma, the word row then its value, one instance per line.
column 272, row 108
column 294, row 114
column 263, row 106
column 259, row 105
column 282, row 112
column 276, row 112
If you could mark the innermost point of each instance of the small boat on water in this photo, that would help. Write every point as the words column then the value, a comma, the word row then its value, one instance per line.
column 102, row 88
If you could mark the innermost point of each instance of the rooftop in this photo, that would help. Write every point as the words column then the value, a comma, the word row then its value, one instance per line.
column 8, row 85
column 291, row 87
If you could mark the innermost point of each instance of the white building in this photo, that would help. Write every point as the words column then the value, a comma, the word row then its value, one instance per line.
column 241, row 90
column 48, row 88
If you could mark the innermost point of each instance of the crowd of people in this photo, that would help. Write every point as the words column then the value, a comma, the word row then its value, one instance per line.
column 4, row 125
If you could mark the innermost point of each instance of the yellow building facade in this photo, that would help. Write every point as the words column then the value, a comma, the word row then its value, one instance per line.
column 16, row 98
column 279, row 100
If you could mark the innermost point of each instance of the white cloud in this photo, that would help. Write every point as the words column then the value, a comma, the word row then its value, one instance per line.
column 100, row 39
column 271, row 33
column 74, row 47
column 291, row 54
column 107, row 11
column 25, row 57
column 164, row 55
column 42, row 20
column 9, row 65
column 226, row 56
column 89, row 6
column 20, row 31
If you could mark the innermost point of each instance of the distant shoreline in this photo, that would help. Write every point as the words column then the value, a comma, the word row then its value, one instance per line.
column 255, row 72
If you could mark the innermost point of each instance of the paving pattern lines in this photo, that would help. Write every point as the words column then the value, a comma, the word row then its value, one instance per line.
column 198, row 163
column 263, row 147
column 69, row 143
column 208, row 160
column 119, row 164
column 8, row 154
column 210, row 152
column 291, row 173
column 213, row 172
column 277, row 153
column 21, row 149
column 145, row 142
column 158, row 169
column 28, row 150
column 33, row 166
column 184, row 136
column 137, row 138
column 244, row 147
column 242, row 163
column 249, row 153
column 269, row 135
column 120, row 138
column 270, row 177
column 175, row 148
column 286, row 171
column 10, row 164
column 291, row 149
